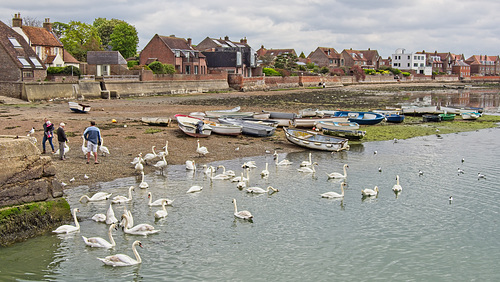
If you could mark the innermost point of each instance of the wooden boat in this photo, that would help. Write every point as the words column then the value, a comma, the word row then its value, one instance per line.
column 310, row 121
column 336, row 125
column 192, row 126
column 395, row 118
column 224, row 129
column 365, row 118
column 470, row 115
column 157, row 121
column 250, row 128
column 431, row 118
column 349, row 134
column 79, row 108
column 315, row 140
column 447, row 117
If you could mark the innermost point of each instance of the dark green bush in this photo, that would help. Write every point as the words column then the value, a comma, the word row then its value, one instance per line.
column 132, row 63
column 68, row 70
column 159, row 68
column 270, row 72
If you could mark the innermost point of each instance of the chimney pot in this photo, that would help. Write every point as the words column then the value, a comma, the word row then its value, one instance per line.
column 226, row 38
column 189, row 41
column 17, row 21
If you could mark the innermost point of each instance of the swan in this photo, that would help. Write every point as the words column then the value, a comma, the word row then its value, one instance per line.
column 242, row 214
column 265, row 173
column 460, row 171
column 150, row 156
column 190, row 165
column 99, row 196
column 331, row 195
column 258, row 190
column 85, row 176
column 103, row 149
column 140, row 229
column 164, row 153
column 397, row 187
column 158, row 202
column 69, row 228
column 219, row 176
column 99, row 217
column 229, row 173
column 163, row 212
column 98, row 242
column 123, row 260
column 84, row 148
column 420, row 173
column 208, row 170
column 307, row 169
column 66, row 150
column 110, row 215
column 282, row 162
column 370, row 192
column 161, row 165
column 137, row 159
column 241, row 178
column 479, row 176
column 338, row 175
column 307, row 163
column 130, row 218
column 249, row 164
column 143, row 184
column 123, row 199
column 241, row 184
column 194, row 189
column 201, row 150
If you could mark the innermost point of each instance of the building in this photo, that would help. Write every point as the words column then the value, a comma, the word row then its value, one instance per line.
column 18, row 60
column 105, row 63
column 268, row 56
column 174, row 51
column 230, row 56
column 325, row 57
column 411, row 62
column 484, row 65
column 366, row 59
column 461, row 69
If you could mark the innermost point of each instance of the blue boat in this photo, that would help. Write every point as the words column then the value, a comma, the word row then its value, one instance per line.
column 394, row 118
column 365, row 118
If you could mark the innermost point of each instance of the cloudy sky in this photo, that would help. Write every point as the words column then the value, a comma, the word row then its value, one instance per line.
column 458, row 26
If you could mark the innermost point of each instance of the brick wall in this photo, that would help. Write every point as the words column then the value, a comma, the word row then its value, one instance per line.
column 11, row 89
column 157, row 49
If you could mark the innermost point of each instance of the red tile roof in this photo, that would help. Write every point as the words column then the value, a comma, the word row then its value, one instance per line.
column 39, row 36
column 68, row 58
column 175, row 43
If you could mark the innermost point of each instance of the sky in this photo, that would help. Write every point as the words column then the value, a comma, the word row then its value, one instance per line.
column 457, row 26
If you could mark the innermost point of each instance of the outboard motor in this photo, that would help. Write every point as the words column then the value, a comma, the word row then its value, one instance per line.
column 199, row 127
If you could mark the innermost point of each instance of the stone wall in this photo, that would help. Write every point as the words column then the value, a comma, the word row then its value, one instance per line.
column 11, row 89
column 25, row 176
column 124, row 89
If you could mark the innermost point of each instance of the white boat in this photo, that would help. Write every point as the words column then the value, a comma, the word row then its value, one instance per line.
column 192, row 126
column 234, row 112
column 415, row 110
column 470, row 115
column 156, row 121
column 336, row 125
column 309, row 113
column 315, row 140
column 250, row 128
column 79, row 108
column 262, row 115
column 224, row 129
column 309, row 122
column 283, row 119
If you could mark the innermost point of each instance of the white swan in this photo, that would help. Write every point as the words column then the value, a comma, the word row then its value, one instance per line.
column 241, row 178
column 258, row 190
column 201, row 150
column 103, row 149
column 150, row 156
column 307, row 169
column 140, row 229
column 331, row 195
column 265, row 173
column 163, row 212
column 123, row 199
column 137, row 159
column 370, row 192
column 69, row 228
column 194, row 189
column 161, row 165
column 282, row 162
column 66, row 150
column 338, row 175
column 219, row 176
column 84, row 148
column 143, row 184
column 99, row 196
column 99, row 217
column 130, row 218
column 139, row 165
column 228, row 172
column 165, row 152
column 158, row 202
column 249, row 164
column 241, row 214
column 98, row 242
column 479, row 176
column 110, row 215
column 397, row 187
column 190, row 165
column 208, row 170
column 307, row 163
column 123, row 260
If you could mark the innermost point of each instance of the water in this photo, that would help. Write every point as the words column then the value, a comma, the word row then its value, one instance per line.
column 296, row 235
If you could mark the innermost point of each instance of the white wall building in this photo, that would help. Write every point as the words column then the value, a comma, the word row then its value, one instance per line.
column 410, row 61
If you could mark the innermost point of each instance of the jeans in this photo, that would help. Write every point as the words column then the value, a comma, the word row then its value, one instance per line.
column 50, row 142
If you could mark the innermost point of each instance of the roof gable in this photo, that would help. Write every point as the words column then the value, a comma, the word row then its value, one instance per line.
column 22, row 54
column 39, row 36
column 175, row 43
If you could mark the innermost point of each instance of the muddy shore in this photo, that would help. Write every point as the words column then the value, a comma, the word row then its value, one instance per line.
column 129, row 136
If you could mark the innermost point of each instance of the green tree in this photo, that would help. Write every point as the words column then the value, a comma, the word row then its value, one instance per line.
column 302, row 55
column 124, row 39
column 286, row 61
column 79, row 38
column 59, row 29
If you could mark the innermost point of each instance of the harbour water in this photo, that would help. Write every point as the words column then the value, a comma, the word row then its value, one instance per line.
column 296, row 235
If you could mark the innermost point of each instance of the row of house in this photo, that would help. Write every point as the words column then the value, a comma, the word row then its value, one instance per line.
column 27, row 51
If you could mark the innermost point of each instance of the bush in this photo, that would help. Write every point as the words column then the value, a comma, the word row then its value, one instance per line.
column 270, row 72
column 370, row 71
column 159, row 68
column 132, row 63
column 324, row 70
column 405, row 74
column 68, row 70
column 337, row 72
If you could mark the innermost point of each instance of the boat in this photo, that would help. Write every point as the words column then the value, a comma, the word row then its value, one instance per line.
column 157, row 121
column 267, row 122
column 262, row 115
column 349, row 134
column 283, row 119
column 193, row 126
column 250, row 128
column 79, row 108
column 224, row 129
column 456, row 110
column 362, row 118
column 200, row 115
column 234, row 112
column 470, row 115
column 447, row 117
column 310, row 121
column 309, row 113
column 431, row 118
column 336, row 125
column 315, row 140
column 415, row 110
column 394, row 118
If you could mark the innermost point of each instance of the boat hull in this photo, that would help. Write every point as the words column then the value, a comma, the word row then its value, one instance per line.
column 310, row 122
column 225, row 129
column 315, row 140
column 362, row 118
column 79, row 108
column 447, row 117
column 192, row 126
column 394, row 118
column 431, row 118
column 249, row 128
column 349, row 134
column 337, row 125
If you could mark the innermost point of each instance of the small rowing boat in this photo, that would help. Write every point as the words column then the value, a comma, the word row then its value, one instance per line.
column 192, row 126
column 79, row 108
column 314, row 140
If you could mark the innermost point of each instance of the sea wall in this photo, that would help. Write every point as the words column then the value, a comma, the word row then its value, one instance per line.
column 165, row 87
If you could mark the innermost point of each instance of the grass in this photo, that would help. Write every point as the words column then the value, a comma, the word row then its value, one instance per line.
column 152, row 130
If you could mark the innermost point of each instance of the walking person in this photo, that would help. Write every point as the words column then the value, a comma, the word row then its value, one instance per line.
column 48, row 133
column 61, row 137
column 93, row 136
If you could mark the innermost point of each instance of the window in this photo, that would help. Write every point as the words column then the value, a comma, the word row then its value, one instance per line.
column 38, row 50
column 409, row 57
column 24, row 61
column 188, row 69
column 408, row 64
column 36, row 62
column 195, row 69
column 14, row 42
column 238, row 59
column 27, row 74
column 177, row 53
column 415, row 64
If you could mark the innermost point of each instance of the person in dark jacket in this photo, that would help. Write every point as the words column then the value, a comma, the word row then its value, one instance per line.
column 61, row 137
column 48, row 133
column 93, row 136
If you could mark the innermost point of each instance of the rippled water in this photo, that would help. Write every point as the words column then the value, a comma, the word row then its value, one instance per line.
column 297, row 235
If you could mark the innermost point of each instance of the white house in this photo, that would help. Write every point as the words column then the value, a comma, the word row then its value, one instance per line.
column 410, row 61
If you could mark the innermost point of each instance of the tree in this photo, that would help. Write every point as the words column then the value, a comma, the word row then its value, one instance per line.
column 29, row 21
column 267, row 59
column 358, row 72
column 59, row 29
column 124, row 39
column 286, row 61
column 80, row 38
column 302, row 55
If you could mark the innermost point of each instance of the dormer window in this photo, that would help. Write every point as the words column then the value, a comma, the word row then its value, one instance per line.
column 14, row 42
column 24, row 62
column 36, row 62
column 177, row 53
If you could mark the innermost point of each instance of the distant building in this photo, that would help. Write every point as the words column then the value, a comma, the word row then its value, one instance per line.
column 483, row 65
column 104, row 63
column 366, row 59
column 411, row 61
column 461, row 69
column 325, row 57
column 271, row 54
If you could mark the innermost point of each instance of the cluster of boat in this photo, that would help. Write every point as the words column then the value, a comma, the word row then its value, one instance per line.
column 439, row 113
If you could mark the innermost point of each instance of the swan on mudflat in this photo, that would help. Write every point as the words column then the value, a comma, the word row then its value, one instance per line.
column 150, row 156
column 123, row 260
column 103, row 149
column 201, row 150
column 98, row 242
column 69, row 228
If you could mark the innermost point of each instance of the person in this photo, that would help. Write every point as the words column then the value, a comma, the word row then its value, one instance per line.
column 61, row 137
column 48, row 133
column 93, row 136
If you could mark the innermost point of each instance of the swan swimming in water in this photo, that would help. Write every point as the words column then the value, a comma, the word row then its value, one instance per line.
column 99, row 196
column 69, row 228
column 163, row 212
column 143, row 184
column 258, row 190
column 123, row 199
column 158, row 202
column 307, row 163
column 194, row 189
column 283, row 162
column 99, row 217
column 331, row 195
column 140, row 229
column 397, row 187
column 229, row 172
column 98, row 242
column 110, row 215
column 307, row 169
column 338, row 175
column 265, row 172
column 190, row 165
column 370, row 192
column 123, row 260
column 242, row 214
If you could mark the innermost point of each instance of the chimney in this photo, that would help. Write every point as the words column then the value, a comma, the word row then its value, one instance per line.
column 226, row 38
column 47, row 25
column 243, row 41
column 189, row 42
column 17, row 21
